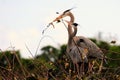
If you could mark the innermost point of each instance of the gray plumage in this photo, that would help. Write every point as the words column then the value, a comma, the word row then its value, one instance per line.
column 76, row 52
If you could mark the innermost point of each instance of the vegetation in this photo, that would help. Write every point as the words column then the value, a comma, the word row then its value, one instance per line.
column 55, row 64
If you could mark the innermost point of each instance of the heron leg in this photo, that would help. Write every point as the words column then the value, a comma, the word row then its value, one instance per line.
column 77, row 67
column 74, row 66
column 78, row 71
column 82, row 68
column 100, row 66
column 85, row 67
column 90, row 67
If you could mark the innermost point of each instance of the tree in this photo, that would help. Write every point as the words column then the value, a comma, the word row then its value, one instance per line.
column 49, row 53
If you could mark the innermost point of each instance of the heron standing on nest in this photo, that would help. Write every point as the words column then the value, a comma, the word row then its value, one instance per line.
column 78, row 44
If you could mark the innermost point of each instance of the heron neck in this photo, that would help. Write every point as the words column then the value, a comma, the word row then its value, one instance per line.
column 75, row 32
column 71, row 18
column 72, row 33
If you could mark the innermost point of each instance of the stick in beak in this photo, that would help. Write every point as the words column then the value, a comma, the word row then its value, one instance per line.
column 51, row 24
column 57, row 19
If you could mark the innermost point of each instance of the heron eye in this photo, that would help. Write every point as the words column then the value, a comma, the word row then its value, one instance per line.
column 57, row 12
column 81, row 40
column 75, row 24
column 58, row 21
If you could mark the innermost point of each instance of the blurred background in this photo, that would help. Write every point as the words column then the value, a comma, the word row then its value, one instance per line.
column 22, row 22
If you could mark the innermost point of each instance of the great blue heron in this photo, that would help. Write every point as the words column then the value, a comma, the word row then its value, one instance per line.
column 77, row 54
column 93, row 51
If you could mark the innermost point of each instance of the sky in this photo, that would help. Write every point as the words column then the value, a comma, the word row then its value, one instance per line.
column 22, row 22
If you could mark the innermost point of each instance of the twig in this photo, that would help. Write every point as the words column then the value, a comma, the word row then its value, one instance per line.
column 110, row 51
column 21, row 66
column 8, row 71
column 29, row 50
column 41, row 41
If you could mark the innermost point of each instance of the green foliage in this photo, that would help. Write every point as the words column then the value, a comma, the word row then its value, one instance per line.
column 103, row 45
column 53, row 64
column 28, row 64
column 49, row 53
column 7, row 58
column 114, row 54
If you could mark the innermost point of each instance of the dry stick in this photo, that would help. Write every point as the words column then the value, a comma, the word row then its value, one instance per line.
column 113, row 59
column 18, row 59
column 116, row 70
column 29, row 50
column 21, row 66
column 100, row 66
column 113, row 52
column 8, row 70
column 2, row 75
column 61, row 67
column 38, row 47
column 32, row 56
column 49, row 73
column 111, row 68
column 106, row 73
column 7, row 61
column 13, row 64
column 41, row 41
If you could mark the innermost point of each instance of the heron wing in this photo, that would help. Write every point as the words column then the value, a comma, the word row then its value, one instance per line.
column 93, row 49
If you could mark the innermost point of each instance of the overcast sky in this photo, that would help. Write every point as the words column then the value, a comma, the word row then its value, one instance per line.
column 22, row 22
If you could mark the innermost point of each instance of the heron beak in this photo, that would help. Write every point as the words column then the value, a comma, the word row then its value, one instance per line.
column 58, row 18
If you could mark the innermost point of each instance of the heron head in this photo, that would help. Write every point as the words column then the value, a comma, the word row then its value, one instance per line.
column 69, row 23
column 75, row 24
column 64, row 14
